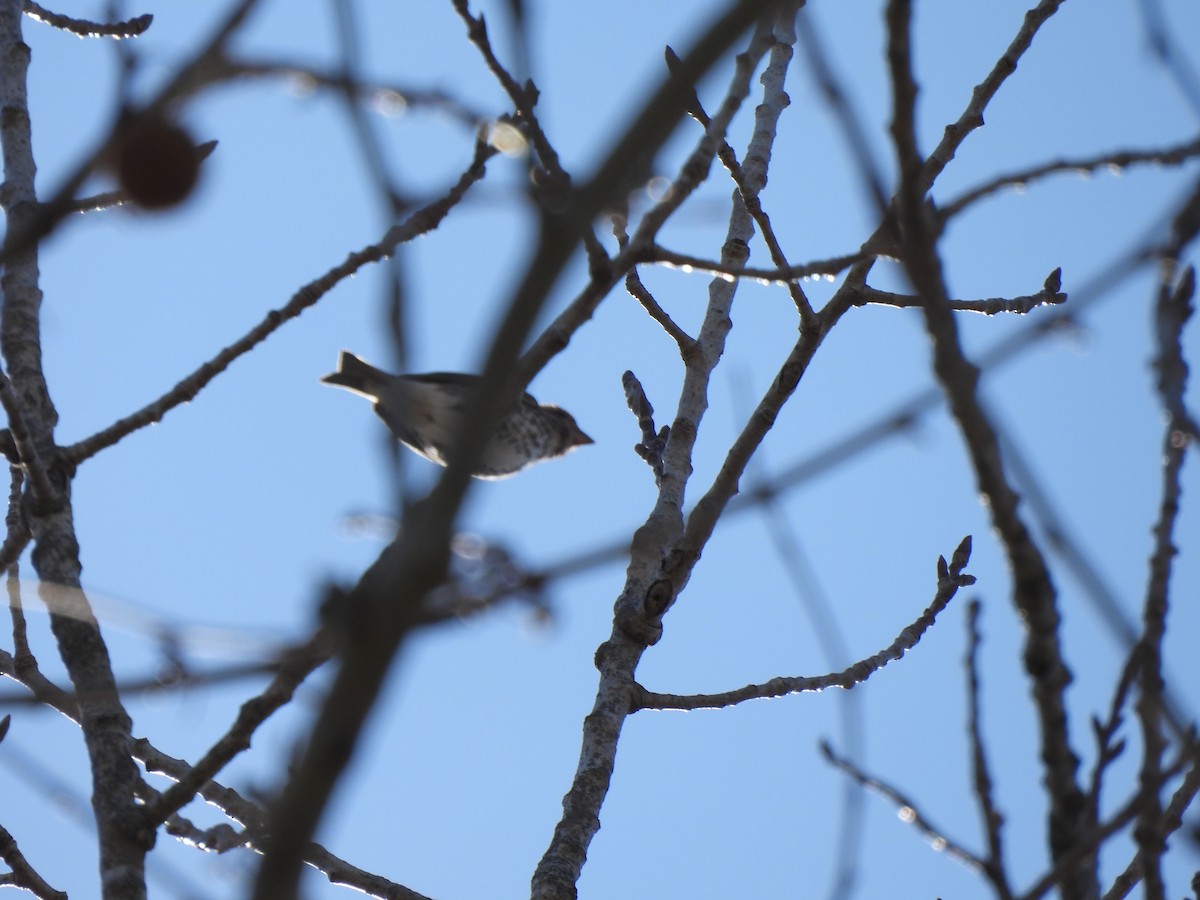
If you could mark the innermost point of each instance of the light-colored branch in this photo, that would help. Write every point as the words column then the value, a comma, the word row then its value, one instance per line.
column 703, row 518
column 648, row 589
column 748, row 186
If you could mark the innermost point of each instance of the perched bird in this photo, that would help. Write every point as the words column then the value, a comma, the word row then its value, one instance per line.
column 425, row 413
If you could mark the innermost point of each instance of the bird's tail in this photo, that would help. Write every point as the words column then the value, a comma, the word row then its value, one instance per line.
column 354, row 374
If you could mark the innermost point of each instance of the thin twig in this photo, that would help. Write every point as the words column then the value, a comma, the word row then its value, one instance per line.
column 1049, row 295
column 293, row 670
column 1115, row 162
column 1108, row 747
column 653, row 442
column 83, row 28
column 1100, row 831
column 25, row 875
column 387, row 98
column 950, row 579
column 993, row 820
column 909, row 811
column 746, row 186
column 633, row 283
column 1173, row 309
column 553, row 182
column 1172, row 816
column 826, row 268
column 982, row 94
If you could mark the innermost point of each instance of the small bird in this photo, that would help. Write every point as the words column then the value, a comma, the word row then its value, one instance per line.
column 425, row 414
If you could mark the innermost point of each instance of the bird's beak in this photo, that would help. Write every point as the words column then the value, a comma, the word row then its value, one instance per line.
column 578, row 439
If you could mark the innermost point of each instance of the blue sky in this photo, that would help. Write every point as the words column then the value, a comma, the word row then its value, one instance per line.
column 226, row 519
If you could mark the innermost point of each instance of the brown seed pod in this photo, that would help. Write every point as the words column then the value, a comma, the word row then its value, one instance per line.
column 157, row 162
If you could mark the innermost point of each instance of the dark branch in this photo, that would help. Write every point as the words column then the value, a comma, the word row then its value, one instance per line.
column 84, row 28
column 950, row 579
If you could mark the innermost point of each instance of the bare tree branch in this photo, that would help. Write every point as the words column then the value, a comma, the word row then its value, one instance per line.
column 993, row 820
column 1115, row 161
column 909, row 811
column 749, row 192
column 653, row 443
column 1048, row 295
column 1099, row 832
column 388, row 98
column 1172, row 817
column 296, row 667
column 22, row 874
column 950, row 579
column 432, row 572
column 647, row 593
column 83, row 28
column 685, row 263
column 123, row 836
column 1034, row 594
column 1174, row 308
